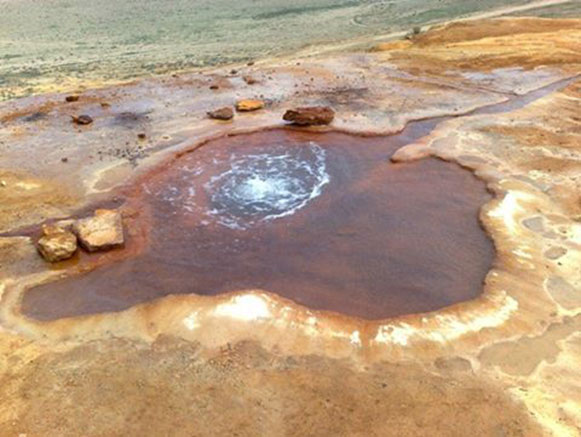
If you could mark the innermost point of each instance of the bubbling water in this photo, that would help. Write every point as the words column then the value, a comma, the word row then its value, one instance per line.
column 247, row 189
column 267, row 186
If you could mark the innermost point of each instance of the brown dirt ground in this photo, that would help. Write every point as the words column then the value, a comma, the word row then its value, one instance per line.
column 121, row 388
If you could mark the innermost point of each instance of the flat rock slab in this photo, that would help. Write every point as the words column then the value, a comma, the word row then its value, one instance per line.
column 103, row 231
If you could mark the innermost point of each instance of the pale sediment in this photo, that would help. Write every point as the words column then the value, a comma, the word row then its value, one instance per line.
column 520, row 338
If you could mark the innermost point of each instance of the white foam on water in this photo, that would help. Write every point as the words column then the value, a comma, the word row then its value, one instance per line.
column 266, row 186
column 274, row 182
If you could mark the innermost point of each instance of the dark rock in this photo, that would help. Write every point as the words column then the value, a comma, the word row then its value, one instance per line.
column 141, row 136
column 225, row 113
column 72, row 98
column 310, row 116
column 214, row 87
column 65, row 159
column 250, row 80
column 82, row 119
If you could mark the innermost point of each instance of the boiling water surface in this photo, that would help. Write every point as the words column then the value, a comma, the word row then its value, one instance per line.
column 323, row 219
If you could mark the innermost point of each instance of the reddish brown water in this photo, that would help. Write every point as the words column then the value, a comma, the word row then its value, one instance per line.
column 323, row 219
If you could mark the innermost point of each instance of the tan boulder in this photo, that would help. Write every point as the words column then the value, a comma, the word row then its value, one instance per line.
column 102, row 231
column 249, row 105
column 57, row 244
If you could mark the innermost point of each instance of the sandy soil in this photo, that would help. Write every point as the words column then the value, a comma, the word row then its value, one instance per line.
column 66, row 46
column 168, row 388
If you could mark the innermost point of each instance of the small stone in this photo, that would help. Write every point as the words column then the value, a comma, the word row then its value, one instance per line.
column 310, row 116
column 250, row 80
column 3, row 183
column 225, row 113
column 72, row 98
column 103, row 231
column 82, row 119
column 57, row 244
column 249, row 105
column 214, row 87
column 250, row 64
column 65, row 159
column 233, row 71
column 141, row 136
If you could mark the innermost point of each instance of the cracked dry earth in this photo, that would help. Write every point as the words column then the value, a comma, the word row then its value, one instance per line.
column 503, row 98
